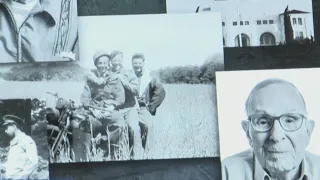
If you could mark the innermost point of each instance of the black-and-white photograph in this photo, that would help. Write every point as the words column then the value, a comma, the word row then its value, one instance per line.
column 145, row 95
column 257, row 22
column 38, row 31
column 23, row 142
column 274, row 120
column 162, row 63
column 120, row 7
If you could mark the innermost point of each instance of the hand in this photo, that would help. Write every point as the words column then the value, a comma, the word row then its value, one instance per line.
column 110, row 107
column 118, row 76
column 97, row 114
column 95, row 79
column 97, row 139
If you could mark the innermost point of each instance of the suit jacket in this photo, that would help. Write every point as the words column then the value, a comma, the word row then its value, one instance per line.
column 151, row 94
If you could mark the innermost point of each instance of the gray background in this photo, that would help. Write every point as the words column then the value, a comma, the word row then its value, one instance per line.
column 120, row 7
column 180, row 169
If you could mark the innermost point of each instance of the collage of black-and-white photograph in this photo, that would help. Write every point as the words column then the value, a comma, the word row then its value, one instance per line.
column 257, row 22
column 38, row 30
column 132, row 96
column 24, row 147
column 275, row 121
column 159, row 89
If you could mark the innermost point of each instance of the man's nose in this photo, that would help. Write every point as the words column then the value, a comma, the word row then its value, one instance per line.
column 277, row 132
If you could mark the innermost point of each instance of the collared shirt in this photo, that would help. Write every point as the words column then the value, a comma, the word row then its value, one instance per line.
column 244, row 166
column 22, row 157
column 48, row 31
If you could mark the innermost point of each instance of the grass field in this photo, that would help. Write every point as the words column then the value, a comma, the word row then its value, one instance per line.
column 185, row 124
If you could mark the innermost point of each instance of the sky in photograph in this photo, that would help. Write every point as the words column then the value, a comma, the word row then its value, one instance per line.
column 166, row 40
column 231, row 98
column 229, row 7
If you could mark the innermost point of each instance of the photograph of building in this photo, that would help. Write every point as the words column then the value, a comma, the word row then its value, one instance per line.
column 260, row 22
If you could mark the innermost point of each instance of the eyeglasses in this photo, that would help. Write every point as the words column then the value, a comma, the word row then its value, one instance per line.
column 264, row 122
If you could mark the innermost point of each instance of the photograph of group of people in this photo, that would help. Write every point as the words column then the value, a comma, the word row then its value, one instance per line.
column 85, row 89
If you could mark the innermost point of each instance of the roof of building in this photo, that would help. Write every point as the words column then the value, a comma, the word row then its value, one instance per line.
column 294, row 11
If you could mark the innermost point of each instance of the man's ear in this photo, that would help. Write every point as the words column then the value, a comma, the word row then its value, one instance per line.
column 310, row 126
column 245, row 126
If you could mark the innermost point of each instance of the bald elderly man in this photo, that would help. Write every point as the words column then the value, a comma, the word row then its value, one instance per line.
column 278, row 131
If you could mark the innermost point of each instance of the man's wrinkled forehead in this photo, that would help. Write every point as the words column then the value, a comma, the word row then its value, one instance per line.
column 275, row 98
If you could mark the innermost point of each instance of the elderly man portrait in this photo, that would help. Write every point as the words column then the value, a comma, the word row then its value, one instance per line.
column 150, row 96
column 103, row 95
column 38, row 30
column 278, row 130
column 22, row 158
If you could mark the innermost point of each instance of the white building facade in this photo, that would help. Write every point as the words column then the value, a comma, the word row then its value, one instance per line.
column 262, row 29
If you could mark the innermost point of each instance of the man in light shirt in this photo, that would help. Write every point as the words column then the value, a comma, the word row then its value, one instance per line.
column 150, row 96
column 38, row 30
column 22, row 157
column 278, row 130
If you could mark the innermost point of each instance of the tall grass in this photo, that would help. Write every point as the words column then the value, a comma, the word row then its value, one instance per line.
column 185, row 125
column 95, row 153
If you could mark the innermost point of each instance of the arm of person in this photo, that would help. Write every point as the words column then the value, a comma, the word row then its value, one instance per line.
column 91, row 77
column 85, row 96
column 130, row 82
column 30, row 148
column 157, row 95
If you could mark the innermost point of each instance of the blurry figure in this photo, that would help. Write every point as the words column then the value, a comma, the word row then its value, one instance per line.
column 22, row 157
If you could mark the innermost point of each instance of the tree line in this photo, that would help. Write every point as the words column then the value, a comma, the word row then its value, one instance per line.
column 55, row 71
column 192, row 74
column 61, row 71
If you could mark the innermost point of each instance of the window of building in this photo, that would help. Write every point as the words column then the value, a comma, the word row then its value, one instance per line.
column 259, row 22
column 245, row 40
column 300, row 21
column 271, row 22
column 294, row 21
column 299, row 35
column 234, row 23
column 241, row 23
column 246, row 22
column 223, row 23
column 267, row 39
column 265, row 22
column 206, row 9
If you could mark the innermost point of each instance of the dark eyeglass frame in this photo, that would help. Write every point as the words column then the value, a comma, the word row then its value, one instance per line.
column 274, row 118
